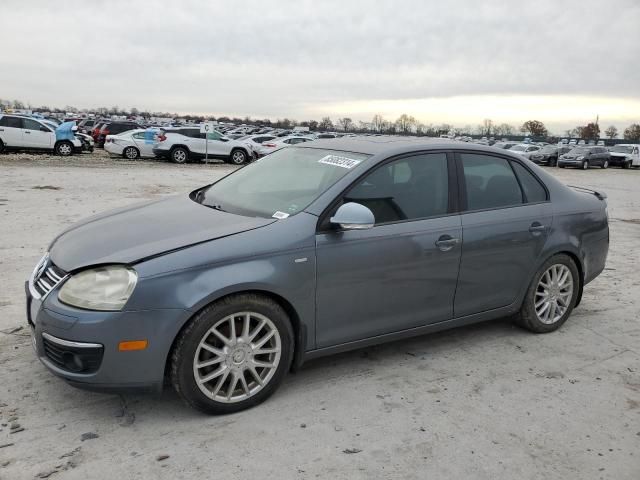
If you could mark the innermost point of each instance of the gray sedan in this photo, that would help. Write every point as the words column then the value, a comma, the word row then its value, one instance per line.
column 315, row 249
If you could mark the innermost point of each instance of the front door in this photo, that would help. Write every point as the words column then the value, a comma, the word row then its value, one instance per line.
column 401, row 273
column 505, row 227
column 36, row 135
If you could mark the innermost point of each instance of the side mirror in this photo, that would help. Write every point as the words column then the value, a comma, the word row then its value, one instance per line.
column 74, row 128
column 353, row 216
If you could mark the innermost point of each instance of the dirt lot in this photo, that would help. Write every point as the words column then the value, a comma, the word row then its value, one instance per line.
column 488, row 401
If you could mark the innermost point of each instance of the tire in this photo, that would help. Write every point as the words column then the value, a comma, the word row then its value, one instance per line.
column 64, row 148
column 560, row 166
column 625, row 165
column 131, row 153
column 238, row 157
column 605, row 164
column 553, row 162
column 233, row 387
column 180, row 155
column 585, row 165
column 1, row 146
column 534, row 319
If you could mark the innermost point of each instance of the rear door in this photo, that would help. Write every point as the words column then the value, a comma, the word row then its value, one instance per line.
column 11, row 131
column 505, row 224
column 144, row 146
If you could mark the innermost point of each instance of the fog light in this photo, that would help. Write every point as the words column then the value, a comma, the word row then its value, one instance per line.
column 132, row 345
column 72, row 362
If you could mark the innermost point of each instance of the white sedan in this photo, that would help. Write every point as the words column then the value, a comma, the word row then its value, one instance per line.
column 272, row 145
column 525, row 149
column 131, row 145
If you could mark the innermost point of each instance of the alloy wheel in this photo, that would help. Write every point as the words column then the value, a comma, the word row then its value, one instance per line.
column 179, row 156
column 553, row 294
column 237, row 357
column 64, row 149
column 131, row 153
column 238, row 157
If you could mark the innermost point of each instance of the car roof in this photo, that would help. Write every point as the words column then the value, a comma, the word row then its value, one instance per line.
column 387, row 146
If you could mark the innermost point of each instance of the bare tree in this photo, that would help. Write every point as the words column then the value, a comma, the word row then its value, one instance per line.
column 535, row 128
column 611, row 132
column 405, row 123
column 326, row 124
column 346, row 123
column 377, row 122
column 632, row 132
column 487, row 123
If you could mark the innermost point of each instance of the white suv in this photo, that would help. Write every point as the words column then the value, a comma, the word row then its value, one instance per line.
column 25, row 133
column 182, row 144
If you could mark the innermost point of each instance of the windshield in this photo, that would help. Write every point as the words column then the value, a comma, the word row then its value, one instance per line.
column 548, row 149
column 280, row 184
column 622, row 149
column 518, row 148
column 581, row 150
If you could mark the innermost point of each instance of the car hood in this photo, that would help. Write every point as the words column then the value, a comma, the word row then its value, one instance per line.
column 140, row 231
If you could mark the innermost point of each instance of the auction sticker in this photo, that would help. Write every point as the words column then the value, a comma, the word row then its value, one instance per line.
column 338, row 161
column 280, row 215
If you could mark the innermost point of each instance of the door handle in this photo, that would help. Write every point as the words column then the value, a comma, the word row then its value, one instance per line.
column 28, row 133
column 446, row 243
column 537, row 228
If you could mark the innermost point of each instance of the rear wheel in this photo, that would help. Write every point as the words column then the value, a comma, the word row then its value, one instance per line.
column 233, row 355
column 551, row 295
column 605, row 164
column 585, row 165
column 131, row 153
column 1, row 147
column 64, row 148
column 179, row 155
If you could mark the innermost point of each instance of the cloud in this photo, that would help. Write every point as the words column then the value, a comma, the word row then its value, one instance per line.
column 294, row 58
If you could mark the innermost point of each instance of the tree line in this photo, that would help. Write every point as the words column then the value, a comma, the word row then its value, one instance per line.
column 403, row 125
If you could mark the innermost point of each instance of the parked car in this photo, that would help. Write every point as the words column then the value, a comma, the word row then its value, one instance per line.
column 548, row 155
column 584, row 156
column 131, row 144
column 226, row 289
column 505, row 145
column 525, row 149
column 272, row 145
column 86, row 125
column 184, row 144
column 625, row 155
column 114, row 128
column 98, row 126
column 25, row 133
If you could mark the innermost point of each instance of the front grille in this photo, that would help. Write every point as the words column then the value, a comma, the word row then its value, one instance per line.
column 71, row 358
column 46, row 277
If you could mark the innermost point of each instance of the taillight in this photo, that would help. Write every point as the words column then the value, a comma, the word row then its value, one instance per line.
column 162, row 138
column 269, row 145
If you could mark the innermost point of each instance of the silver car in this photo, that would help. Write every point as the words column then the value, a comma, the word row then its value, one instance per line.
column 315, row 249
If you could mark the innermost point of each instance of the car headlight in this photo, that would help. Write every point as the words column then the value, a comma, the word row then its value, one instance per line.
column 101, row 288
column 580, row 157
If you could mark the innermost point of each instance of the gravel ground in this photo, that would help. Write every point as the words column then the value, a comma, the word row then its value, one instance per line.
column 487, row 401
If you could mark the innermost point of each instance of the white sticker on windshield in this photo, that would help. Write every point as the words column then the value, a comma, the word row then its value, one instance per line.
column 339, row 161
column 280, row 215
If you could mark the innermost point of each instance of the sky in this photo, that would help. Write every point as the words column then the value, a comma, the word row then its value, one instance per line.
column 455, row 61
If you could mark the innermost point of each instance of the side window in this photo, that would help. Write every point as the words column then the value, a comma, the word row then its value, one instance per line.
column 490, row 182
column 11, row 122
column 533, row 190
column 138, row 136
column 29, row 124
column 406, row 189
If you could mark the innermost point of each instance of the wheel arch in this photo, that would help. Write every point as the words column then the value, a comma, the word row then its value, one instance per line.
column 299, row 327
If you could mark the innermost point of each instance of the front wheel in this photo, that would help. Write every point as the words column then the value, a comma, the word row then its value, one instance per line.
column 64, row 149
column 605, row 164
column 233, row 354
column 626, row 165
column 551, row 296
column 585, row 165
column 238, row 157
column 553, row 162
